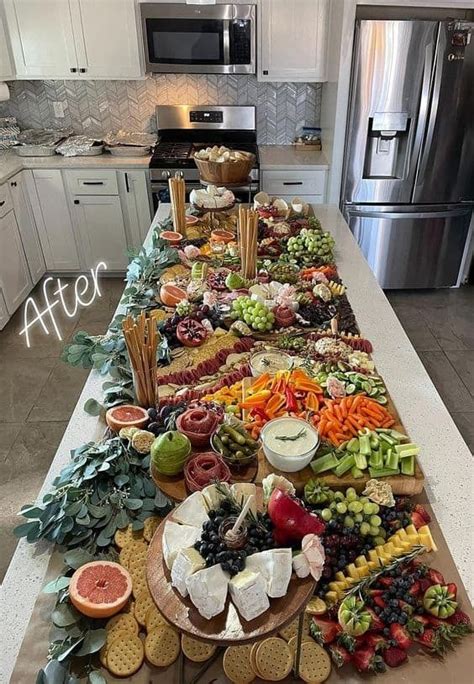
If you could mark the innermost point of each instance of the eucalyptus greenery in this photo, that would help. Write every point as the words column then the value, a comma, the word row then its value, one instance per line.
column 106, row 487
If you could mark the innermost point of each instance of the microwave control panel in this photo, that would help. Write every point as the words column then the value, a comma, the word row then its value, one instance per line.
column 206, row 117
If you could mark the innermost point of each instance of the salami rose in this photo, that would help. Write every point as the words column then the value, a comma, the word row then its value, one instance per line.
column 202, row 469
column 197, row 424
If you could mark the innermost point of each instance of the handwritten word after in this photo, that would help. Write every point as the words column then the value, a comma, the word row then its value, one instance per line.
column 32, row 316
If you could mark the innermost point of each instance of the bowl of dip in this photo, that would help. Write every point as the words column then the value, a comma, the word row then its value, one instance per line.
column 289, row 444
column 270, row 361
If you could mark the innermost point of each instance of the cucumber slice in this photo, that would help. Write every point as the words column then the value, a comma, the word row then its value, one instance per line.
column 350, row 389
column 382, row 400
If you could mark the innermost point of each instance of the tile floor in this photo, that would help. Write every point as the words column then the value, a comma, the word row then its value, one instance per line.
column 39, row 391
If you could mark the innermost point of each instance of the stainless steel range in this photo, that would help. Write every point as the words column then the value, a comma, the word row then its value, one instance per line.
column 182, row 129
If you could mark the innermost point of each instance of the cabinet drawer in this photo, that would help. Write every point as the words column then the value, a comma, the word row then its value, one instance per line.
column 296, row 183
column 92, row 182
column 5, row 200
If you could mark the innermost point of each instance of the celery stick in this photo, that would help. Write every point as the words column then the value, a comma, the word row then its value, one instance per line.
column 360, row 461
column 344, row 465
column 387, row 455
column 374, row 441
column 376, row 459
column 382, row 472
column 392, row 460
column 323, row 463
column 383, row 431
column 389, row 439
column 353, row 445
column 407, row 466
column 364, row 445
column 356, row 473
column 399, row 436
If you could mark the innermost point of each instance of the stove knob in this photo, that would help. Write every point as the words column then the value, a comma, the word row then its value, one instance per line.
column 165, row 175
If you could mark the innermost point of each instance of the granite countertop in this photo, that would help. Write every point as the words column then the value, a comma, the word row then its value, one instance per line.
column 11, row 163
column 445, row 457
column 282, row 157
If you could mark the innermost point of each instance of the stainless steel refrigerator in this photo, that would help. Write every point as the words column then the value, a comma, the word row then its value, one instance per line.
column 408, row 185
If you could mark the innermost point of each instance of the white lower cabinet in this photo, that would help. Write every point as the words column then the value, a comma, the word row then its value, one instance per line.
column 4, row 315
column 27, row 225
column 133, row 189
column 54, row 223
column 309, row 184
column 15, row 281
column 101, row 231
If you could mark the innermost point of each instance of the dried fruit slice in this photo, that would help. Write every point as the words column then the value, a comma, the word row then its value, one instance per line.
column 100, row 589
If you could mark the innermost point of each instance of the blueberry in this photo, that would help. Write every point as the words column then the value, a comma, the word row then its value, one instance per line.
column 218, row 520
column 204, row 549
column 152, row 413
column 393, row 603
column 212, row 514
column 226, row 566
column 197, row 545
column 403, row 618
column 207, row 525
column 205, row 536
column 377, row 610
column 386, row 631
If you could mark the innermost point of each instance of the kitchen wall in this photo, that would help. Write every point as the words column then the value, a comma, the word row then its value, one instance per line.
column 100, row 106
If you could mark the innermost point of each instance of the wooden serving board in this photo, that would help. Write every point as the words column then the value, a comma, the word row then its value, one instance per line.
column 228, row 628
column 401, row 484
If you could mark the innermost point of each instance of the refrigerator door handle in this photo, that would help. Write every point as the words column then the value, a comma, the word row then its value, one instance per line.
column 423, row 120
column 460, row 211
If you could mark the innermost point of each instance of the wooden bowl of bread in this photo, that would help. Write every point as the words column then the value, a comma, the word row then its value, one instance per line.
column 223, row 166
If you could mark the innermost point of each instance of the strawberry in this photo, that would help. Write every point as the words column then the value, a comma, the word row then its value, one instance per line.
column 424, row 585
column 386, row 581
column 421, row 510
column 324, row 631
column 400, row 635
column 394, row 656
column 434, row 621
column 379, row 601
column 376, row 592
column 365, row 660
column 339, row 655
column 376, row 621
column 459, row 618
column 417, row 520
column 376, row 641
column 415, row 589
column 427, row 639
column 452, row 589
column 435, row 577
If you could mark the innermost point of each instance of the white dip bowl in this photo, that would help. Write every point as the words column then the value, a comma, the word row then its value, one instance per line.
column 289, row 456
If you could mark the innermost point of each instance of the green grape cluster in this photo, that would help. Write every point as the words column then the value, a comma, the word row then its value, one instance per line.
column 351, row 509
column 311, row 245
column 254, row 313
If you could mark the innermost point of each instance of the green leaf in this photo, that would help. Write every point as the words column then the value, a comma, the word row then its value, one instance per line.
column 73, row 508
column 97, row 511
column 56, row 585
column 93, row 642
column 65, row 615
column 103, row 540
column 24, row 529
column 133, row 504
column 121, row 479
column 71, row 648
column 30, row 511
column 53, row 673
column 93, row 408
column 77, row 557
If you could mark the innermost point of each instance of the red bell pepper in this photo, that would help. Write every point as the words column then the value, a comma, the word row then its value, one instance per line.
column 291, row 402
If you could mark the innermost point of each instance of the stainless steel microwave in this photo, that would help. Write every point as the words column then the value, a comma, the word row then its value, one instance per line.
column 200, row 39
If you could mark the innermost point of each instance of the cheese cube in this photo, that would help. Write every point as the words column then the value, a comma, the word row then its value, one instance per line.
column 177, row 537
column 187, row 562
column 353, row 571
column 192, row 511
column 248, row 592
column 275, row 566
column 208, row 590
column 242, row 491
column 373, row 555
column 212, row 496
column 360, row 561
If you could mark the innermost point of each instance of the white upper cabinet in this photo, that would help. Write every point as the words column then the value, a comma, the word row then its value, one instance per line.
column 74, row 38
column 42, row 38
column 107, row 46
column 6, row 66
column 292, row 40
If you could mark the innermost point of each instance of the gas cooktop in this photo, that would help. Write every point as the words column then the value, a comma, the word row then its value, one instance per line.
column 178, row 155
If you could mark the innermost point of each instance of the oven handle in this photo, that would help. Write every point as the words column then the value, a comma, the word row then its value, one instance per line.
column 226, row 41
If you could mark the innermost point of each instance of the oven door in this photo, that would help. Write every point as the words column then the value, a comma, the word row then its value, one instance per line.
column 199, row 39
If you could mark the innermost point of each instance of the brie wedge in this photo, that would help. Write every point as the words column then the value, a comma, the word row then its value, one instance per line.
column 192, row 511
column 212, row 496
column 208, row 590
column 242, row 491
column 275, row 566
column 187, row 562
column 177, row 537
column 248, row 592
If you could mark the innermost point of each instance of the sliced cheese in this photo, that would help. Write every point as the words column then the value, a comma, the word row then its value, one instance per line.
column 187, row 562
column 248, row 592
column 192, row 511
column 275, row 565
column 212, row 496
column 208, row 590
column 177, row 537
column 242, row 491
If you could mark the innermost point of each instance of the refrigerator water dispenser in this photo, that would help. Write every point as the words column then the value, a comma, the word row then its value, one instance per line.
column 387, row 145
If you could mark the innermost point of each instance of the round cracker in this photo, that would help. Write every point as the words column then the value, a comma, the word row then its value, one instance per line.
column 291, row 630
column 124, row 621
column 103, row 654
column 162, row 646
column 253, row 658
column 274, row 659
column 237, row 665
column 196, row 651
column 114, row 634
column 142, row 604
column 127, row 535
column 315, row 663
column 125, row 656
column 149, row 527
column 293, row 641
column 154, row 618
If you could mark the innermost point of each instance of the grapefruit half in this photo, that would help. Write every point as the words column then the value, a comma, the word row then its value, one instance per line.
column 126, row 415
column 171, row 294
column 100, row 589
column 171, row 236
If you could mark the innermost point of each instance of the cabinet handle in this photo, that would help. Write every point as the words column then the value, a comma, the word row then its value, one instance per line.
column 76, row 202
column 73, row 70
column 2, row 203
column 92, row 182
column 13, row 184
column 126, row 182
column 265, row 72
column 82, row 70
column 292, row 182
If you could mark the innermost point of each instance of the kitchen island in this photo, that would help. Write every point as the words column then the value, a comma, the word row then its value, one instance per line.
column 444, row 457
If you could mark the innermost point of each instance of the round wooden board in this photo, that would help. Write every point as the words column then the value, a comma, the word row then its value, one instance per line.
column 228, row 628
column 175, row 487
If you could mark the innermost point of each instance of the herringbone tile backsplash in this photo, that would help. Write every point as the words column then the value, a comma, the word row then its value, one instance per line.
column 96, row 107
